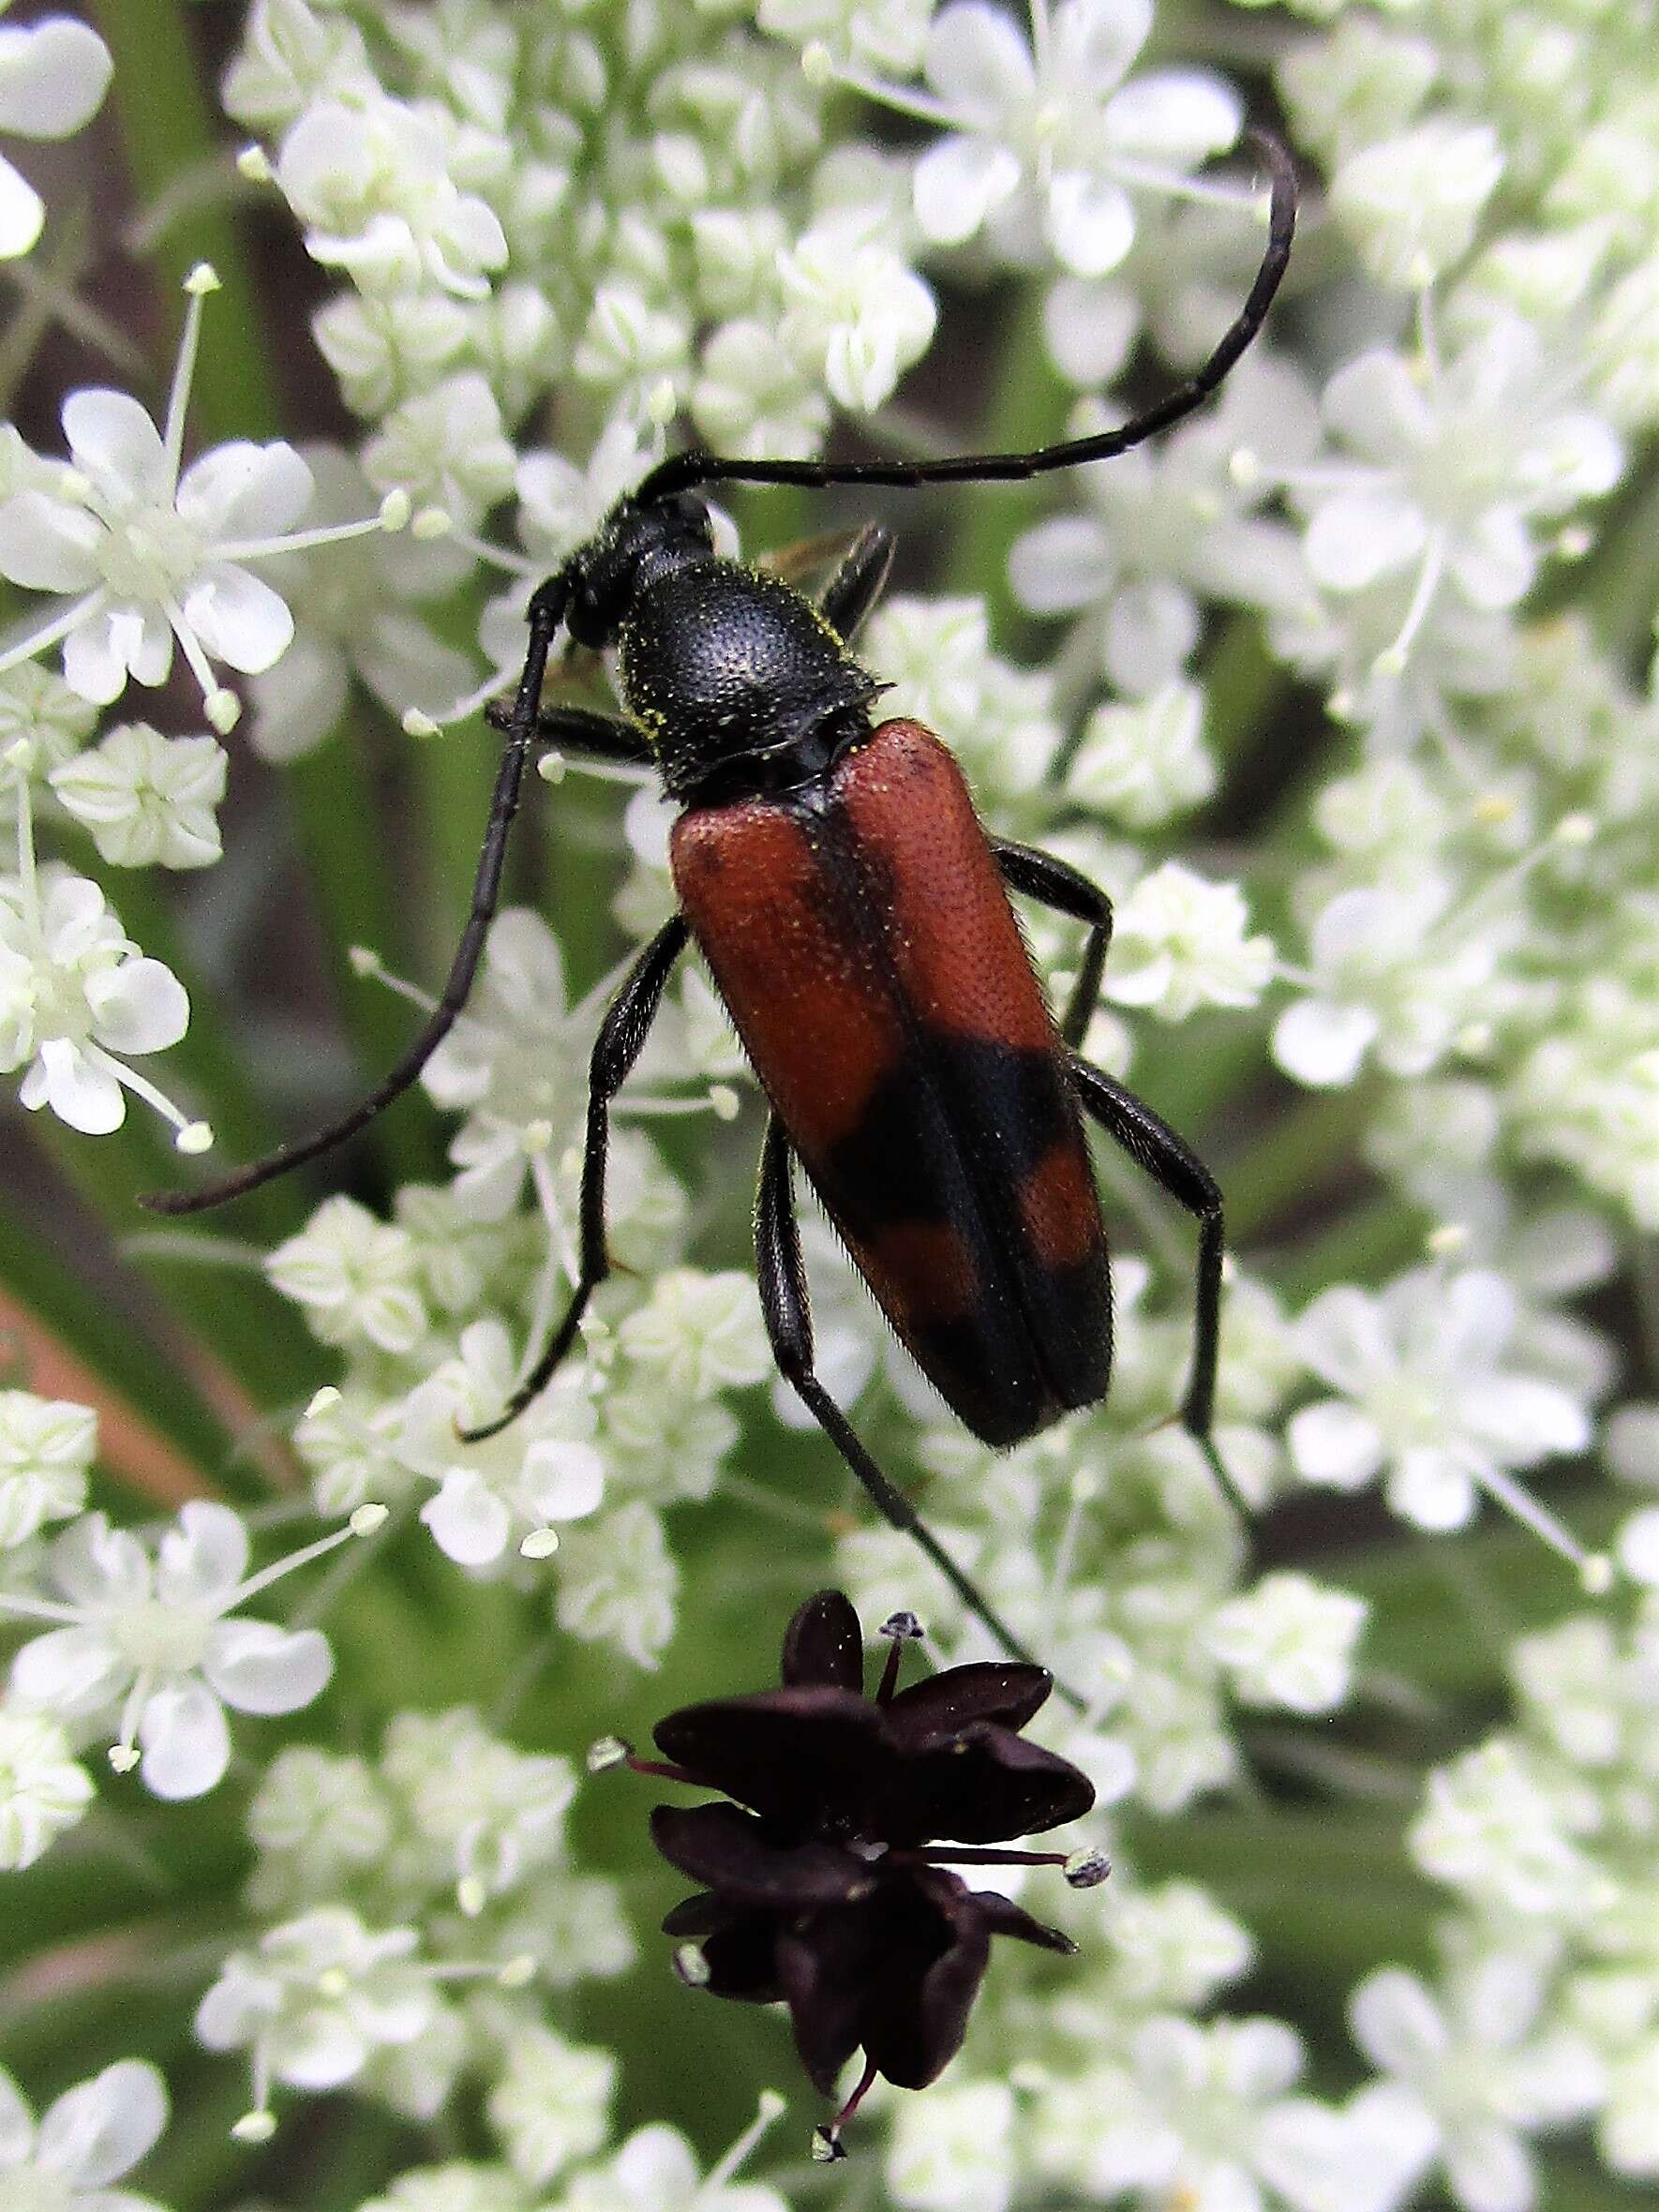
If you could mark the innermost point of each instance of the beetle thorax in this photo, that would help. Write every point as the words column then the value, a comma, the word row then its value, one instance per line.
column 739, row 679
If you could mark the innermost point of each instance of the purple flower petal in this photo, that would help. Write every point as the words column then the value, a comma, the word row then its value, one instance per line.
column 824, row 1645
column 982, row 1786
column 930, row 1711
column 931, row 1975
column 733, row 1854
column 809, row 1757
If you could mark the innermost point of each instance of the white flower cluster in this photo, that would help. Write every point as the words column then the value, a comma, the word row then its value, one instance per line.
column 420, row 1907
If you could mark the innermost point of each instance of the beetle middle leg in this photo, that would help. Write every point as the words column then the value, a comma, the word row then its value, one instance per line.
column 1177, row 1169
column 859, row 582
column 1053, row 883
column 620, row 1039
column 786, row 1304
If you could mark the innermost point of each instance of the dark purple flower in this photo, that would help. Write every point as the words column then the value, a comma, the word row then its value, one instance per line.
column 826, row 1894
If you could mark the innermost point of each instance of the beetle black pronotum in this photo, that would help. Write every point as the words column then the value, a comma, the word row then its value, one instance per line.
column 856, row 918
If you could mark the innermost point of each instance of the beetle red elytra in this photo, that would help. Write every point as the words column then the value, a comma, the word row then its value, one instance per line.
column 855, row 916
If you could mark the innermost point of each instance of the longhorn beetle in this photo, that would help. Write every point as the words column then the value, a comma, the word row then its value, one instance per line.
column 856, row 918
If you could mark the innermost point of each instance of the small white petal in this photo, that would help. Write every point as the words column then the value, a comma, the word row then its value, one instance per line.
column 52, row 77
column 468, row 1522
column 957, row 183
column 1490, row 2168
column 1359, row 536
column 88, row 1097
column 1089, row 222
column 243, row 490
column 49, row 544
column 139, row 1007
column 1493, row 563
column 239, row 619
column 68, row 1670
column 1152, row 626
column 98, row 2130
column 1321, row 1044
column 115, row 443
column 1397, row 2025
column 203, row 1559
column 1062, row 564
column 256, row 1667
column 23, row 213
column 1378, row 407
column 1335, row 1445
column 1180, row 116
column 17, row 2124
column 564, row 1480
column 186, row 1740
column 1524, row 1420
column 976, row 60
column 1432, row 1487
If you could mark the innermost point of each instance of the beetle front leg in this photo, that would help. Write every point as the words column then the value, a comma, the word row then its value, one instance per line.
column 620, row 1039
column 1065, row 890
column 1177, row 1169
column 587, row 730
column 546, row 611
column 786, row 1304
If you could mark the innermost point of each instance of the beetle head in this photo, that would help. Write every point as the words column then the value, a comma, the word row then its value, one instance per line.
column 634, row 545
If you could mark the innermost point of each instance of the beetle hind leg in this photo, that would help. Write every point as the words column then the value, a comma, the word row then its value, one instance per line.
column 1173, row 1165
column 785, row 1302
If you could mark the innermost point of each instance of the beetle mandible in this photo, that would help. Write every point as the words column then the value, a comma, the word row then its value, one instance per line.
column 855, row 916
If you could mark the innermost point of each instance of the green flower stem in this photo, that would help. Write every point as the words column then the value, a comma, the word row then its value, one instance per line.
column 1312, row 1140
column 165, row 124
column 1243, row 686
column 1618, row 582
column 1373, row 1240
column 1424, row 1620
column 1326, row 1889
column 59, row 1299
column 260, row 1341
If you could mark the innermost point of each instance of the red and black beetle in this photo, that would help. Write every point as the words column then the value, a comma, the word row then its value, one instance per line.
column 856, row 918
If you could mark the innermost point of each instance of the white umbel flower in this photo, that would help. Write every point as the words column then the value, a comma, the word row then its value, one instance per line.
column 618, row 1583
column 1482, row 2069
column 53, row 75
column 1180, row 944
column 43, row 1791
column 143, row 554
column 318, row 1999
column 148, row 1643
column 656, row 2167
column 1290, row 1642
column 519, row 1488
column 148, row 799
column 46, row 1448
column 854, row 315
column 372, row 184
column 954, row 2151
column 1051, row 133
column 1426, row 1394
column 90, row 2136
column 551, row 2102
column 78, row 999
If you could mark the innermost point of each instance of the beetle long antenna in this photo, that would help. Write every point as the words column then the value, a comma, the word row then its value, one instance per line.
column 546, row 613
column 685, row 472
